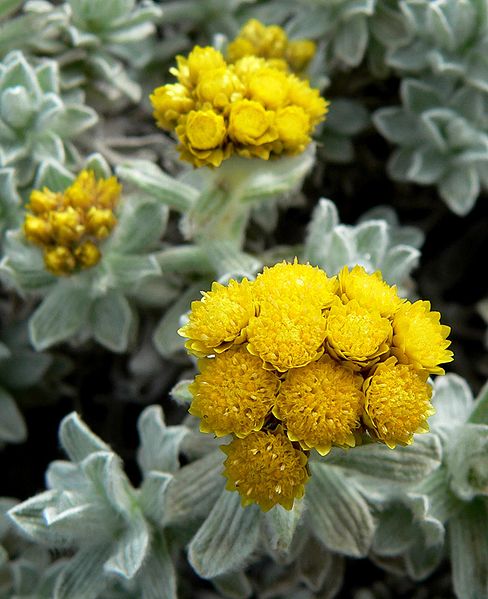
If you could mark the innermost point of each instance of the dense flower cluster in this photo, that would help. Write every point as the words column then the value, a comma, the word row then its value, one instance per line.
column 297, row 360
column 272, row 43
column 68, row 226
column 250, row 106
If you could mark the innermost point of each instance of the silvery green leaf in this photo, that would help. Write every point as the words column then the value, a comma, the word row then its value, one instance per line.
column 48, row 76
column 53, row 175
column 453, row 402
column 324, row 219
column 77, row 524
column 97, row 163
column 23, row 264
column 346, row 116
column 234, row 585
column 73, row 120
column 17, row 107
column 64, row 476
column 351, row 40
column 399, row 263
column 467, row 463
column 443, row 505
column 166, row 338
column 62, row 313
column 274, row 178
column 341, row 251
column 160, row 444
column 409, row 58
column 18, row 72
column 371, row 240
column 12, row 425
column 111, row 319
column 388, row 26
column 195, row 489
column 318, row 567
column 337, row 148
column 337, row 513
column 157, row 575
column 403, row 465
column 418, row 96
column 141, row 224
column 131, row 549
column 83, row 577
column 428, row 166
column 127, row 271
column 280, row 525
column 77, row 439
column 227, row 259
column 468, row 535
column 28, row 516
column 155, row 182
column 313, row 22
column 400, row 164
column 103, row 469
column 153, row 495
column 479, row 415
column 226, row 538
column 180, row 392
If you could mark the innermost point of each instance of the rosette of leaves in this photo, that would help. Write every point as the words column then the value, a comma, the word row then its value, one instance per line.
column 114, row 532
column 36, row 123
column 95, row 303
column 336, row 517
column 441, row 131
column 25, row 569
column 377, row 242
column 20, row 368
column 446, row 512
column 449, row 37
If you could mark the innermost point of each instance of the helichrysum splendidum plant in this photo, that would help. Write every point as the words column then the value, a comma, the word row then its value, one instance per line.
column 297, row 360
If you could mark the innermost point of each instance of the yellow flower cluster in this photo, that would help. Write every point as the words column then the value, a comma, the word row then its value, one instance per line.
column 297, row 360
column 250, row 107
column 272, row 43
column 69, row 225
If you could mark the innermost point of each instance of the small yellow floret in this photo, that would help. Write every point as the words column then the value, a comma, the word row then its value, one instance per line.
column 397, row 403
column 100, row 222
column 356, row 334
column 420, row 339
column 43, row 201
column 269, row 87
column 219, row 319
column 200, row 61
column 37, row 230
column 265, row 468
column 321, row 405
column 59, row 260
column 301, row 94
column 369, row 290
column 219, row 87
column 293, row 125
column 299, row 53
column 233, row 393
column 87, row 254
column 169, row 103
column 259, row 40
column 250, row 123
column 67, row 226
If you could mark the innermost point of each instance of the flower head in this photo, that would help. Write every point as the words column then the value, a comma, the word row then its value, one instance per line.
column 233, row 393
column 369, row 290
column 321, row 405
column 397, row 402
column 271, row 42
column 265, row 468
column 419, row 338
column 68, row 226
column 219, row 319
column 357, row 335
column 251, row 106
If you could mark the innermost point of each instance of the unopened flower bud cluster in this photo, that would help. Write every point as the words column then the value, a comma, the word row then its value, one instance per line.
column 69, row 225
column 247, row 105
column 297, row 360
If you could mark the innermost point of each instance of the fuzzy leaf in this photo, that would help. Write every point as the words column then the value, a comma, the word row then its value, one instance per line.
column 54, row 175
column 111, row 319
column 339, row 516
column 12, row 425
column 195, row 489
column 62, row 313
column 346, row 116
column 351, row 40
column 281, row 525
column 234, row 585
column 128, row 271
column 453, row 402
column 479, row 415
column 130, row 549
column 77, row 439
column 398, row 264
column 226, row 538
column 157, row 575
column 154, row 181
column 160, row 444
column 468, row 535
column 404, row 465
column 324, row 219
column 371, row 240
column 83, row 576
column 396, row 125
column 28, row 516
column 153, row 495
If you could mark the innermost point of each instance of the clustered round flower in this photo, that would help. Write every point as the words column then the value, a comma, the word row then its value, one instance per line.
column 69, row 225
column 272, row 43
column 248, row 105
column 297, row 360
